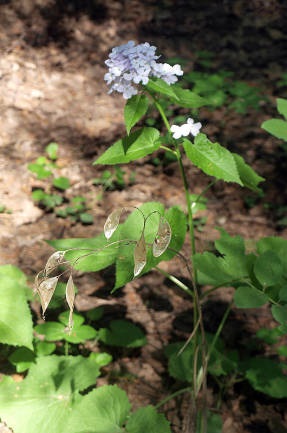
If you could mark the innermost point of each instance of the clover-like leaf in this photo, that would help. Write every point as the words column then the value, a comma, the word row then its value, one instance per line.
column 53, row 261
column 140, row 255
column 162, row 238
column 112, row 222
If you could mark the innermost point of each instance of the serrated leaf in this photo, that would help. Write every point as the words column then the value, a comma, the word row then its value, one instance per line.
column 268, row 269
column 139, row 255
column 15, row 316
column 54, row 260
column 265, row 375
column 147, row 420
column 212, row 159
column 104, row 410
column 249, row 297
column 160, row 86
column 112, row 222
column 137, row 145
column 135, row 108
column 276, row 127
column 47, row 398
column 46, row 290
column 162, row 238
column 248, row 176
column 122, row 333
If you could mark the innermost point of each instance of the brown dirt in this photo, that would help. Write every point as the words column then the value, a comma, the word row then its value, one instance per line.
column 52, row 89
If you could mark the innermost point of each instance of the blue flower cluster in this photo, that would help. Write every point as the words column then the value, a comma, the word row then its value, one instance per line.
column 131, row 64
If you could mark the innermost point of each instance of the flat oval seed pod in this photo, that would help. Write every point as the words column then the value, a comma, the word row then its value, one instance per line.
column 70, row 297
column 140, row 255
column 46, row 290
column 112, row 222
column 162, row 238
column 53, row 261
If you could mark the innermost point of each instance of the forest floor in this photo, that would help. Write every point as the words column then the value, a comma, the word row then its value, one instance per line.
column 52, row 90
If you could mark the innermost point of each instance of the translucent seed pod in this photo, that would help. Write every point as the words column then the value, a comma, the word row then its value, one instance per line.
column 70, row 297
column 140, row 255
column 112, row 222
column 53, row 261
column 162, row 238
column 46, row 290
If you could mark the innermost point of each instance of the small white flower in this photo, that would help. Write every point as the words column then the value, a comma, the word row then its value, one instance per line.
column 187, row 128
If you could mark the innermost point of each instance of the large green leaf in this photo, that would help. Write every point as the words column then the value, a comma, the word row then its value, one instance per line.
column 104, row 410
column 134, row 146
column 147, row 420
column 13, row 304
column 122, row 334
column 160, row 86
column 135, row 108
column 231, row 266
column 132, row 228
column 265, row 375
column 212, row 159
column 249, row 297
column 188, row 99
column 249, row 178
column 276, row 244
column 269, row 269
column 45, row 400
column 276, row 127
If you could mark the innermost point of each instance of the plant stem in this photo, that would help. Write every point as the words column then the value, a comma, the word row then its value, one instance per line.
column 173, row 395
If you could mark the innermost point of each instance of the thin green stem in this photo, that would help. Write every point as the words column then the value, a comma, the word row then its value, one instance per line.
column 219, row 330
column 175, row 280
column 173, row 395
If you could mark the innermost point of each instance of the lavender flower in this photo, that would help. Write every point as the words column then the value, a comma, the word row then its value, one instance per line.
column 130, row 65
column 187, row 128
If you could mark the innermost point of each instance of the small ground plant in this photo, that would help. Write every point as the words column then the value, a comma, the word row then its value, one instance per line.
column 137, row 240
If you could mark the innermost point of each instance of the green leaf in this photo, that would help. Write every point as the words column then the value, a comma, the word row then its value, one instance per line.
column 159, row 86
column 52, row 151
column 147, row 420
column 55, row 331
column 135, row 108
column 212, row 159
column 279, row 312
column 274, row 243
column 276, row 127
column 132, row 228
column 188, row 99
column 122, row 334
column 137, row 145
column 230, row 267
column 180, row 363
column 214, row 423
column 61, row 183
column 49, row 396
column 266, row 376
column 282, row 107
column 104, row 410
column 13, row 304
column 86, row 218
column 268, row 269
column 22, row 358
column 40, row 171
column 249, row 297
column 249, row 178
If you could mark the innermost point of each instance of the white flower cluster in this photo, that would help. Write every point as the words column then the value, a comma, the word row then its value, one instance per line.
column 187, row 128
column 131, row 64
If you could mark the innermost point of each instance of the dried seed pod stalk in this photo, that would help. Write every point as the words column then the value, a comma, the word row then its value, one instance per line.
column 140, row 255
column 112, row 222
column 162, row 238
column 54, row 260
column 46, row 290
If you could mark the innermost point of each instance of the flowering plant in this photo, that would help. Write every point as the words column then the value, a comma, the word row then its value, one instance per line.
column 151, row 234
